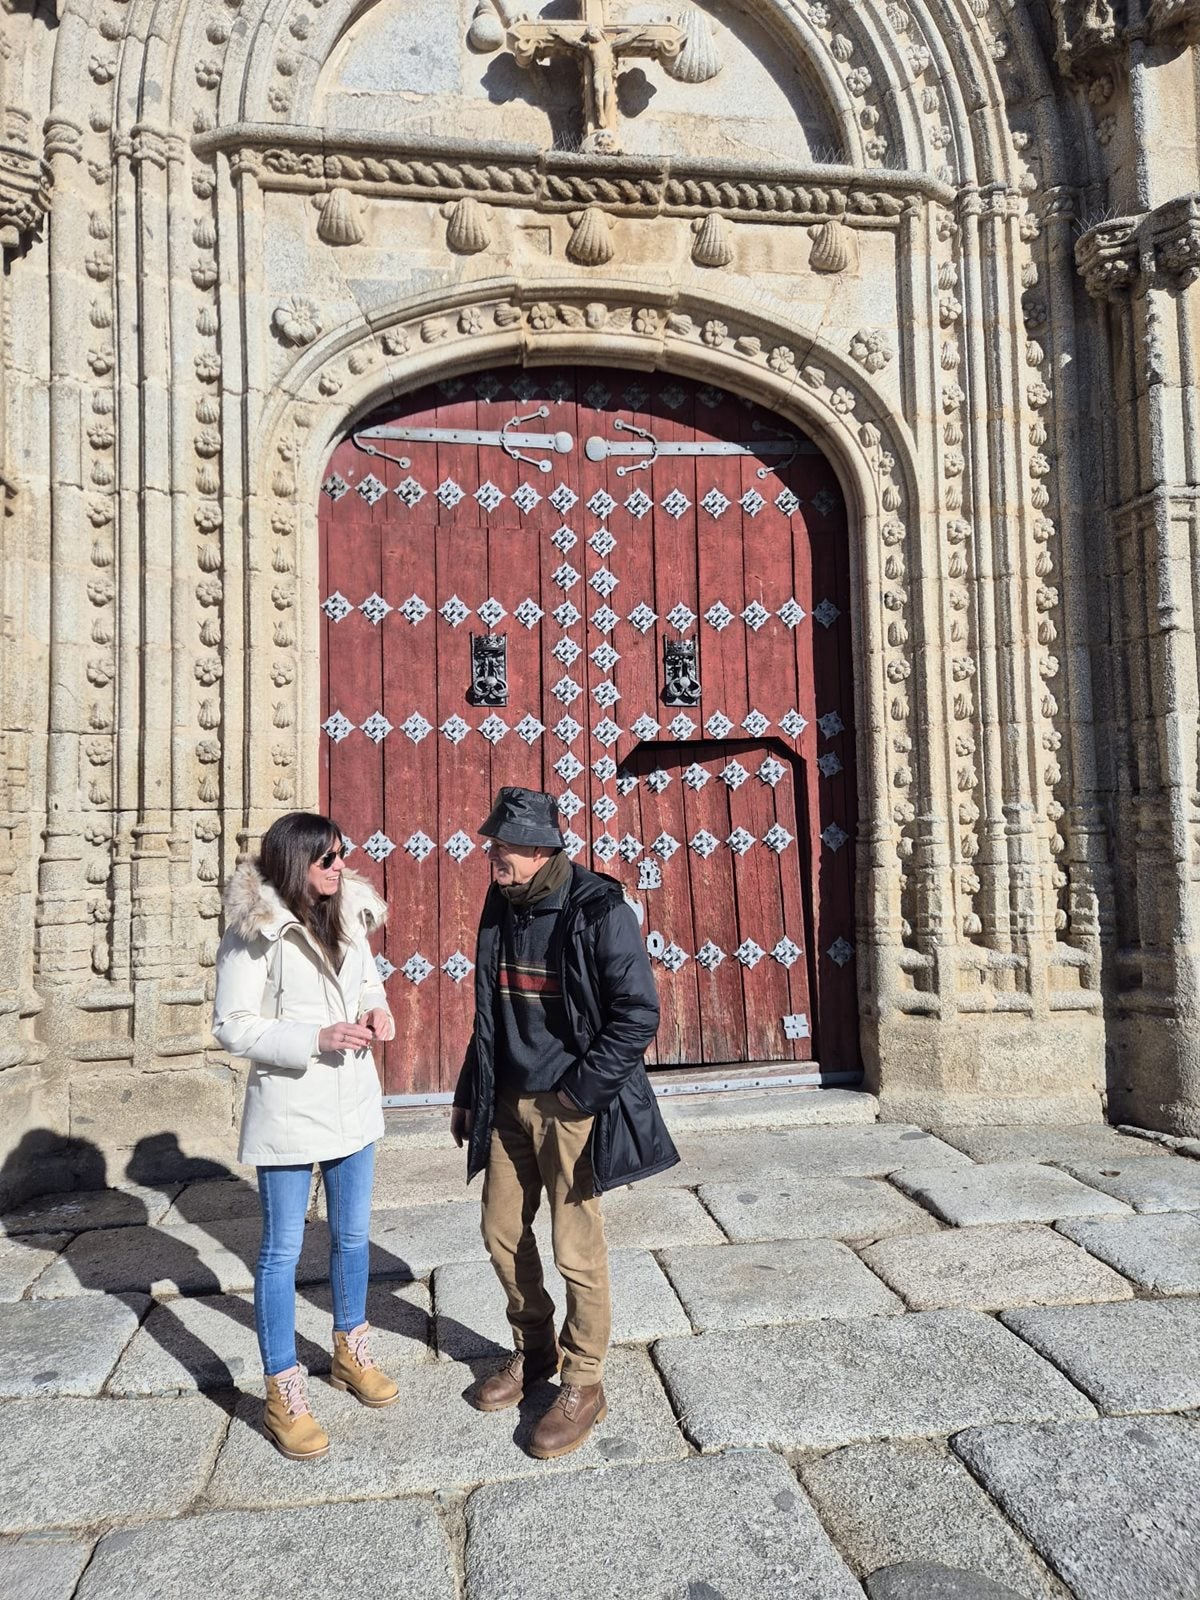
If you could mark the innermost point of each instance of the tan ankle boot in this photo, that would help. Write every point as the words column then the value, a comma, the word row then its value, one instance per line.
column 569, row 1421
column 354, row 1369
column 288, row 1419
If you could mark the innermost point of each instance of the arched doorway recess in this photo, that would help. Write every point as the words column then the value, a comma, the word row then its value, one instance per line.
column 632, row 590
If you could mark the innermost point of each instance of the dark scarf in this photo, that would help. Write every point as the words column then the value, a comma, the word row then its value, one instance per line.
column 547, row 880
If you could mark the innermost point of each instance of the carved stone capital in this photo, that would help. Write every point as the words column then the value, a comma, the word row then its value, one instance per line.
column 155, row 146
column 1173, row 231
column 24, row 193
column 1090, row 36
column 1173, row 21
column 1108, row 257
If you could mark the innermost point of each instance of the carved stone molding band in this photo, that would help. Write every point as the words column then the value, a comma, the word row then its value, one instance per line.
column 1161, row 248
column 559, row 181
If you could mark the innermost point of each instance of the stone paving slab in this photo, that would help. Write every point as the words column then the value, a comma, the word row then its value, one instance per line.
column 641, row 1217
column 886, row 1504
column 71, row 1463
column 82, row 1209
column 341, row 1552
column 213, row 1200
column 39, row 1566
column 471, row 1320
column 927, row 1580
column 767, row 1108
column 208, row 1342
column 416, row 1239
column 64, row 1347
column 1060, row 1145
column 416, row 1177
column 988, row 1268
column 433, row 1439
column 1110, row 1504
column 788, row 1280
column 715, row 1529
column 1005, row 1191
column 776, row 1154
column 823, row 1384
column 813, row 1208
column 1144, row 1356
column 24, row 1259
column 1161, row 1253
column 1172, row 1185
column 189, row 1259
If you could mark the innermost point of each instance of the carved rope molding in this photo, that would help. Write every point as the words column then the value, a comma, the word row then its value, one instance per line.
column 507, row 175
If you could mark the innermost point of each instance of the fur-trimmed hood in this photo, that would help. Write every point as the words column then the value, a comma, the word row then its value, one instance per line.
column 253, row 908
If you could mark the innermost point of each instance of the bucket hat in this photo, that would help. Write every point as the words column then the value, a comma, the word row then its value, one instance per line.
column 524, row 816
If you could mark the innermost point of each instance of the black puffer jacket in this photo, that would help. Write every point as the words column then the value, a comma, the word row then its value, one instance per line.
column 612, row 1006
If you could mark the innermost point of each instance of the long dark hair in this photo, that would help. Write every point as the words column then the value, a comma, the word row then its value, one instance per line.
column 290, row 846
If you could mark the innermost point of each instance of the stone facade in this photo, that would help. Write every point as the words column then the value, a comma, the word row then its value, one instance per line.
column 954, row 240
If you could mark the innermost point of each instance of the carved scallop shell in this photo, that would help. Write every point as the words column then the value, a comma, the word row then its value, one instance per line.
column 713, row 245
column 590, row 244
column 699, row 60
column 833, row 248
column 469, row 230
column 340, row 222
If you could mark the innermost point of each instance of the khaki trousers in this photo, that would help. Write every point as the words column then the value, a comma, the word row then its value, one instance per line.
column 538, row 1145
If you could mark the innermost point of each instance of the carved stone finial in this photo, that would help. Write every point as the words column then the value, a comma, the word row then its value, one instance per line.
column 591, row 243
column 340, row 220
column 713, row 245
column 469, row 230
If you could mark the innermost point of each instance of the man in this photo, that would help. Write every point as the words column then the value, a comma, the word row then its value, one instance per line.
column 553, row 1097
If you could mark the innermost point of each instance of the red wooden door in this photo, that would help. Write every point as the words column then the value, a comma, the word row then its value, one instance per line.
column 669, row 512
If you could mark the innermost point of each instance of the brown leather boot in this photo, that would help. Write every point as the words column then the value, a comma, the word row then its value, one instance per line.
column 507, row 1387
column 353, row 1368
column 288, row 1419
column 569, row 1421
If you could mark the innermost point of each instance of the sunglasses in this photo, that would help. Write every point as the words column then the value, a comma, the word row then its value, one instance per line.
column 330, row 856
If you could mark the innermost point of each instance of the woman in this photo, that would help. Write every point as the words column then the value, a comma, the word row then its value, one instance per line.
column 298, row 994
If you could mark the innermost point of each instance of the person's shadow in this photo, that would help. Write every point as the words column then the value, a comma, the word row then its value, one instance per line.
column 123, row 1254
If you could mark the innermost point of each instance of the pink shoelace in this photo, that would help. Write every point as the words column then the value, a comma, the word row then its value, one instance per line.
column 357, row 1342
column 294, row 1393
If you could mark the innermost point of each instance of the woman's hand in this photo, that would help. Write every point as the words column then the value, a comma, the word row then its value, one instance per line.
column 344, row 1036
column 460, row 1124
column 379, row 1020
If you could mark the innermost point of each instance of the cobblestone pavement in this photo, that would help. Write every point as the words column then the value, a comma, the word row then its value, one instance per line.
column 851, row 1358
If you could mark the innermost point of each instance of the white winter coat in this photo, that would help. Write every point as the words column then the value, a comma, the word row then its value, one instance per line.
column 276, row 990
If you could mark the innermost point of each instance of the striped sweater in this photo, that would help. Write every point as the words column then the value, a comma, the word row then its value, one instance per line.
column 533, row 1038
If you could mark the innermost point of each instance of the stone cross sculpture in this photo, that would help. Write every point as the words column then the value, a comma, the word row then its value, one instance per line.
column 599, row 47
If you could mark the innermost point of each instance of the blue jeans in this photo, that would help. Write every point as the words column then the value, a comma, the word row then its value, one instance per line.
column 283, row 1193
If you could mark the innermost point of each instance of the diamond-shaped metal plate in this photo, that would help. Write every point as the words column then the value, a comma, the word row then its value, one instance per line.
column 605, row 847
column 603, row 543
column 664, row 846
column 336, row 606
column 409, row 492
column 566, row 691
column 602, row 505
column 457, row 966
column 756, row 724
column 649, row 875
column 565, row 615
column 604, row 619
column 710, row 956
column 681, row 617
column 419, row 845
column 739, row 841
column 459, row 846
column 749, row 954
column 414, row 609
column 569, row 804
column 831, row 724
column 564, row 576
column 572, row 844
column 449, row 493
column 376, row 727
column 415, row 727
column 606, row 732
column 379, row 847
column 830, row 764
column 638, row 504
column 455, row 729
column 834, row 837
column 335, row 486
column 825, row 502
column 491, row 612
column 416, row 969
column 672, row 396
column 657, row 780
column 567, row 652
column 529, row 730
column 681, row 727
column 383, row 967
column 455, row 611
column 563, row 498
column 788, row 502
column 718, row 616
column 626, row 783
column 645, row 728
column 489, row 496
column 567, row 730
column 676, row 503
column 605, row 808
column 605, row 656
column 703, row 843
column 796, row 1026
column 715, row 503
column 777, row 838
column 826, row 613
column 494, row 729
column 734, row 774
column 337, row 727
column 752, row 502
column 793, row 723
column 673, row 958
column 718, row 726
column 606, row 694
column 786, row 953
column 529, row 613
column 840, row 951
column 568, row 767
column 755, row 615
column 642, row 618
column 696, row 776
column 771, row 771
column 604, row 582
column 605, row 769
column 564, row 540
column 525, row 497
column 791, row 613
